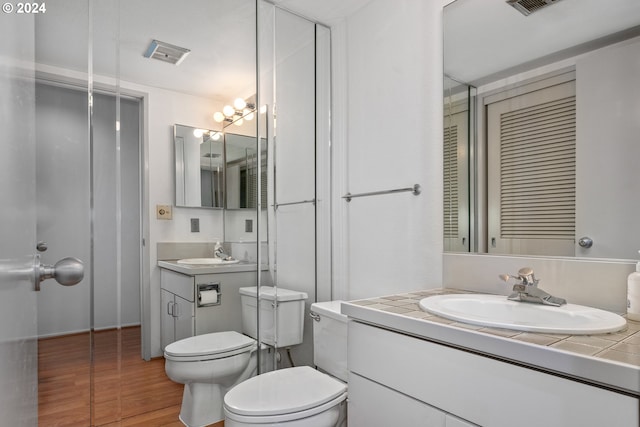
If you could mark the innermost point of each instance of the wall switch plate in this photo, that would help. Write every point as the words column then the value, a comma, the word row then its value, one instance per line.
column 248, row 226
column 163, row 212
column 195, row 225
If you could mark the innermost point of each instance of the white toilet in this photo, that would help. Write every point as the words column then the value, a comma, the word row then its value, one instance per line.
column 210, row 364
column 300, row 396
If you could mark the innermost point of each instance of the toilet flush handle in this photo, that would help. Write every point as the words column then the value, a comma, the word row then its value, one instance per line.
column 314, row 316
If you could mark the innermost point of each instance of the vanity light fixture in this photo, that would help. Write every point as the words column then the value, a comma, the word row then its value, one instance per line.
column 237, row 113
column 207, row 134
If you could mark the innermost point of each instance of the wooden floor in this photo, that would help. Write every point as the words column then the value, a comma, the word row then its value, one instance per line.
column 127, row 391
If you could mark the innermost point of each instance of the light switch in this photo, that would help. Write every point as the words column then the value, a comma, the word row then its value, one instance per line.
column 195, row 225
column 163, row 212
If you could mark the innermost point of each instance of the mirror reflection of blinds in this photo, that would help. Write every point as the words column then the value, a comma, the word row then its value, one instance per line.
column 249, row 182
column 537, row 163
column 451, row 181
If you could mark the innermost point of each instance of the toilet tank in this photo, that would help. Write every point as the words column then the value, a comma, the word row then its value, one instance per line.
column 287, row 330
column 330, row 338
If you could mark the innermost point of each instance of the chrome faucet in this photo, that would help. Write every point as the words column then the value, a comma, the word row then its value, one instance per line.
column 218, row 252
column 526, row 290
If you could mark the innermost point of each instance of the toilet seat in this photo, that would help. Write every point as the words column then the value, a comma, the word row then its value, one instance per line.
column 209, row 346
column 284, row 395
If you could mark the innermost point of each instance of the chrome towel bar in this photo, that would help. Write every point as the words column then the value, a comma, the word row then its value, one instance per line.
column 277, row 205
column 416, row 189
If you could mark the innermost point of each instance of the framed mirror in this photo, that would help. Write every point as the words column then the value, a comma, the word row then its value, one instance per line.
column 199, row 167
column 551, row 150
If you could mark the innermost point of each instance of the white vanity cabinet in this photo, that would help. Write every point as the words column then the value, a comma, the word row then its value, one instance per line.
column 372, row 404
column 407, row 380
column 177, row 307
column 181, row 314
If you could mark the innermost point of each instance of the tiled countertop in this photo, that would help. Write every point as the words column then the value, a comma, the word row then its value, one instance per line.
column 611, row 360
column 192, row 270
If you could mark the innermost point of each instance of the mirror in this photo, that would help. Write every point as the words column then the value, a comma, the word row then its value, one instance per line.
column 547, row 165
column 199, row 171
column 241, row 171
column 217, row 170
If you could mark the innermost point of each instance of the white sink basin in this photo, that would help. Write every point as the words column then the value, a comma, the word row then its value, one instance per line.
column 497, row 311
column 206, row 261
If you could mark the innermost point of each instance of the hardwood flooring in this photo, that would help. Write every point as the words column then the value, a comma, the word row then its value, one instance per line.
column 127, row 391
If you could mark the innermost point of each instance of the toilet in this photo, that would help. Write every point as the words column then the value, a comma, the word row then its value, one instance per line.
column 299, row 396
column 210, row 364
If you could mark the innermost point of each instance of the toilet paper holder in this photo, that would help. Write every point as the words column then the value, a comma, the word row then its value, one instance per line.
column 205, row 292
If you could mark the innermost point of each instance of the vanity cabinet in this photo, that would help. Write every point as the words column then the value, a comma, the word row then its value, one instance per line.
column 372, row 404
column 410, row 380
column 181, row 314
column 177, row 305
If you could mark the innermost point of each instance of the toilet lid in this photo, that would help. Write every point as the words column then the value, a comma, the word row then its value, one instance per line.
column 283, row 392
column 217, row 343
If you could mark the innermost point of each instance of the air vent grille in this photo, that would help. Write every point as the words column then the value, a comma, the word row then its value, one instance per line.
column 527, row 7
column 166, row 52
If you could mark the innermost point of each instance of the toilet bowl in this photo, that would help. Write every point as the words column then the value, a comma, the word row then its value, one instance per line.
column 208, row 365
column 292, row 397
column 299, row 396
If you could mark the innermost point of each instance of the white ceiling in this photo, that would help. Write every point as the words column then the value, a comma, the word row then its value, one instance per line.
column 493, row 36
column 220, row 34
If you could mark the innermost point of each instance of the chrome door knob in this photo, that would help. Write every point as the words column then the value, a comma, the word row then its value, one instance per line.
column 585, row 242
column 68, row 271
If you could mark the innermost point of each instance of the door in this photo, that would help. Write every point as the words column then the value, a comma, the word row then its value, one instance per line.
column 456, row 176
column 183, row 313
column 531, row 146
column 18, row 301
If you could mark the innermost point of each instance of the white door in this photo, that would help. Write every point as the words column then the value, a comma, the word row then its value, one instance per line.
column 531, row 172
column 18, row 301
column 456, row 177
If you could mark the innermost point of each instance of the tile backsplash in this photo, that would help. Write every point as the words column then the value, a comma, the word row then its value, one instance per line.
column 596, row 283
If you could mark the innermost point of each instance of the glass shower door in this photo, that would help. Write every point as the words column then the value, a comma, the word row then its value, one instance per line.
column 18, row 315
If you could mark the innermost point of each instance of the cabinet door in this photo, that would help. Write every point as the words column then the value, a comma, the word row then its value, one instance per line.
column 483, row 390
column 167, row 328
column 183, row 318
column 371, row 404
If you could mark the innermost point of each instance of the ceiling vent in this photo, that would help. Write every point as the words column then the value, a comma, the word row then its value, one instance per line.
column 166, row 52
column 527, row 7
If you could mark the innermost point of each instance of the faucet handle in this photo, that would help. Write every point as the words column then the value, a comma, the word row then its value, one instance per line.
column 506, row 277
column 527, row 276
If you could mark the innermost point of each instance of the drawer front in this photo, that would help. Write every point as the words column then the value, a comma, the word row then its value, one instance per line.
column 371, row 404
column 481, row 390
column 179, row 284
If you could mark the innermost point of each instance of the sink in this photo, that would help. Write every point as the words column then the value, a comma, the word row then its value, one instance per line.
column 207, row 261
column 499, row 312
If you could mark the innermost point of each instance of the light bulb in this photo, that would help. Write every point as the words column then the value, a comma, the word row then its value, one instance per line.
column 248, row 114
column 238, row 122
column 239, row 103
column 218, row 117
column 215, row 136
column 198, row 133
column 228, row 110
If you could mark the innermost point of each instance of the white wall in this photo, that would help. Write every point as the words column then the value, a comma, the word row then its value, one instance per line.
column 166, row 108
column 387, row 134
